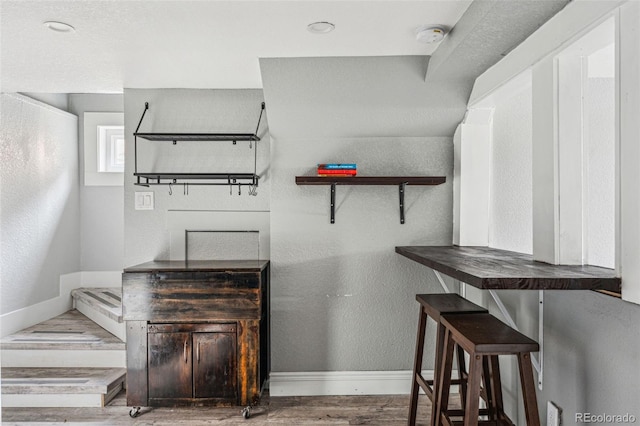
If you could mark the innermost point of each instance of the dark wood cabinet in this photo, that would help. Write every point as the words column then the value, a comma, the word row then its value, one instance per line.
column 197, row 334
column 170, row 366
column 214, row 368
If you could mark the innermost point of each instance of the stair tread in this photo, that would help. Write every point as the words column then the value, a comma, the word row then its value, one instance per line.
column 60, row 380
column 107, row 300
column 69, row 331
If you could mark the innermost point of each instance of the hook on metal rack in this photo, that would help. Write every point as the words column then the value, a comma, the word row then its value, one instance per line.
column 170, row 189
column 239, row 189
column 185, row 188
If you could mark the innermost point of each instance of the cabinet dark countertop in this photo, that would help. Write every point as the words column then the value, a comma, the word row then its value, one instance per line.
column 199, row 266
column 494, row 269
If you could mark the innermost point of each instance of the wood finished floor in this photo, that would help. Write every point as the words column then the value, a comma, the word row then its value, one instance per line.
column 290, row 411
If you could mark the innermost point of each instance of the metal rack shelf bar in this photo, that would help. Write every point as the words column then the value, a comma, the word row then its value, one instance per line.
column 198, row 137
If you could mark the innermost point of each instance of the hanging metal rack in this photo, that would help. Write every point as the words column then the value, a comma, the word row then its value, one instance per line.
column 174, row 178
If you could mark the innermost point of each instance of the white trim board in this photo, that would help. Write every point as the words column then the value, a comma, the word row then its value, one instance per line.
column 342, row 382
column 34, row 314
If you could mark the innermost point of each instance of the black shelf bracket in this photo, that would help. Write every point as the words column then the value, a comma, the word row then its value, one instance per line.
column 333, row 203
column 401, row 193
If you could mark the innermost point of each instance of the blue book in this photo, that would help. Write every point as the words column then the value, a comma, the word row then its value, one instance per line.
column 337, row 166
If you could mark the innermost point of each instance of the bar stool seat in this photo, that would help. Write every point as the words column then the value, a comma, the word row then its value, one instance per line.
column 484, row 337
column 435, row 306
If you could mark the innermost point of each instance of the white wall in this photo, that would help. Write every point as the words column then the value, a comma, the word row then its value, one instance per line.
column 600, row 156
column 342, row 299
column 147, row 232
column 589, row 339
column 101, row 207
column 39, row 200
column 510, row 204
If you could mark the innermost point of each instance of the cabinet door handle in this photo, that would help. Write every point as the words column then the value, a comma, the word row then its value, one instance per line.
column 184, row 352
column 198, row 352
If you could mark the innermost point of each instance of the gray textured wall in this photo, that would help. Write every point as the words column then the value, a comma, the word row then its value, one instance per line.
column 341, row 298
column 101, row 207
column 39, row 197
column 183, row 111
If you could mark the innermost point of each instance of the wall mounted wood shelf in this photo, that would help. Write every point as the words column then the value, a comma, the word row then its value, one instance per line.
column 401, row 181
column 173, row 178
column 492, row 269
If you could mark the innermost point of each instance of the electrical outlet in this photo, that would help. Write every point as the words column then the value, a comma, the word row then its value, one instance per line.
column 553, row 414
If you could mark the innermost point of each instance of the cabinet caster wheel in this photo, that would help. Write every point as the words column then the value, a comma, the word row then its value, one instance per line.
column 246, row 412
column 134, row 412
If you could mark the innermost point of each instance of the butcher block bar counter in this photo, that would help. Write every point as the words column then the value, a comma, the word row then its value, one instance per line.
column 492, row 269
column 197, row 332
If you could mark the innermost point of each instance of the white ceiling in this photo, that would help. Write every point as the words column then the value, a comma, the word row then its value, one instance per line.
column 195, row 44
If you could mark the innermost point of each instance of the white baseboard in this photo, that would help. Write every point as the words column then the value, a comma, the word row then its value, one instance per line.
column 342, row 383
column 34, row 314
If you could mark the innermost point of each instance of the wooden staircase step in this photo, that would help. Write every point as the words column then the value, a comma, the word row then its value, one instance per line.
column 107, row 301
column 70, row 339
column 103, row 306
column 60, row 387
column 71, row 330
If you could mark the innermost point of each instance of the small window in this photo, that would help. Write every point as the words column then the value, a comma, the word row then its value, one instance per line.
column 111, row 149
column 104, row 149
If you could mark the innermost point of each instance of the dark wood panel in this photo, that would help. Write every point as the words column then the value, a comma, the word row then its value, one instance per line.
column 370, row 180
column 199, row 265
column 265, row 329
column 248, row 361
column 198, row 327
column 156, row 300
column 137, row 363
column 489, row 268
column 214, row 367
column 170, row 365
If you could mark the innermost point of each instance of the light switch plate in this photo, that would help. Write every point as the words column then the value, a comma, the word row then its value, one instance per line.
column 144, row 201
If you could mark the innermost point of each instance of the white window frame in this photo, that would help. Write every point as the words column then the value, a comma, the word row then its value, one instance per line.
column 92, row 175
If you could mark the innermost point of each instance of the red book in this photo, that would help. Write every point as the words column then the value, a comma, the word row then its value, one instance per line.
column 336, row 175
column 349, row 172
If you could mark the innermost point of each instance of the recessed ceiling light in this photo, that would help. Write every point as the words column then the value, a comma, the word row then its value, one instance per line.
column 59, row 27
column 320, row 27
column 430, row 33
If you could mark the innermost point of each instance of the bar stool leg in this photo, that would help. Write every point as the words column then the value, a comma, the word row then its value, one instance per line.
column 417, row 367
column 488, row 392
column 462, row 373
column 472, row 406
column 496, row 386
column 443, row 384
column 528, row 389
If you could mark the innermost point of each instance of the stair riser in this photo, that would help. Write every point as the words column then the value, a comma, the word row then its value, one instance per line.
column 64, row 358
column 118, row 329
column 54, row 400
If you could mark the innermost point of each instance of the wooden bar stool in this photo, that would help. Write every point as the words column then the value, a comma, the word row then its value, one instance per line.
column 434, row 306
column 484, row 337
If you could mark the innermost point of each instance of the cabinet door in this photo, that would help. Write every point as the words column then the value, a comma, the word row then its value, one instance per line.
column 170, row 365
column 214, row 368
